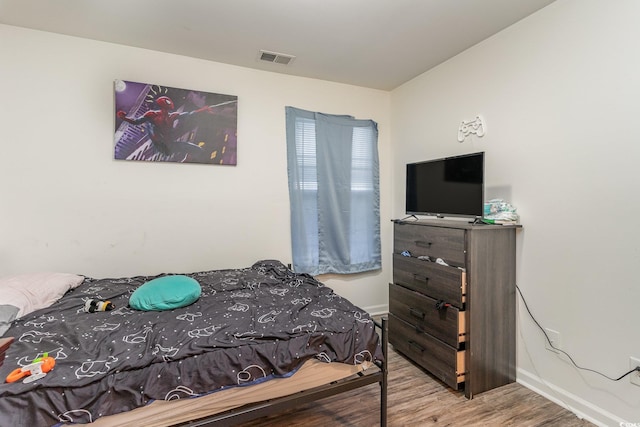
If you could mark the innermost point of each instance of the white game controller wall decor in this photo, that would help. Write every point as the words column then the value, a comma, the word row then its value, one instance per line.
column 475, row 126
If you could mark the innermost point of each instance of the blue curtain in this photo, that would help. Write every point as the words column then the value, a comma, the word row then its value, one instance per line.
column 334, row 192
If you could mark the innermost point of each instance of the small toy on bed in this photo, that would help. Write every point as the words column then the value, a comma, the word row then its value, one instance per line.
column 34, row 371
column 93, row 305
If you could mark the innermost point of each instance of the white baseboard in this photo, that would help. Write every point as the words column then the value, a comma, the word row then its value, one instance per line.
column 377, row 310
column 580, row 407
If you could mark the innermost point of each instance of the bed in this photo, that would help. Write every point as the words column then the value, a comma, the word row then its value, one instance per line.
column 257, row 328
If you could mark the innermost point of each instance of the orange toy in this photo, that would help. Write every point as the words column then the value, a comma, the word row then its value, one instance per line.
column 33, row 371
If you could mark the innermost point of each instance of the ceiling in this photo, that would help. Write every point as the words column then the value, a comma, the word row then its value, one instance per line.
column 378, row 44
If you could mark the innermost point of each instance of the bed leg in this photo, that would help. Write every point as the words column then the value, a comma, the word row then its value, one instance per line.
column 383, row 385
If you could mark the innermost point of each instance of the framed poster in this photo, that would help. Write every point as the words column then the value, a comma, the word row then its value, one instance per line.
column 166, row 124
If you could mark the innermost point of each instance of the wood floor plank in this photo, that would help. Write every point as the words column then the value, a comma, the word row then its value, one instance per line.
column 418, row 399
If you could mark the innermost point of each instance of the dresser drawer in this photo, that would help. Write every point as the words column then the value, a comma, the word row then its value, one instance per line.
column 442, row 360
column 432, row 279
column 420, row 311
column 434, row 242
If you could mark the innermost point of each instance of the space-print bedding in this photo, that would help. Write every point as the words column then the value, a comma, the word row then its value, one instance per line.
column 248, row 326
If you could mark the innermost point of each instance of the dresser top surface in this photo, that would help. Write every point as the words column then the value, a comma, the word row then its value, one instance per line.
column 454, row 223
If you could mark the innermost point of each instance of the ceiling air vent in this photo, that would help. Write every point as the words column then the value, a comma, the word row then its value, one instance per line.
column 276, row 58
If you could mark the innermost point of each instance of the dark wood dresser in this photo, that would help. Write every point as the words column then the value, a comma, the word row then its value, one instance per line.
column 452, row 303
column 4, row 346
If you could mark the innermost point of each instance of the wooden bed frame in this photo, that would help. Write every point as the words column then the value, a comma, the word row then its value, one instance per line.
column 273, row 406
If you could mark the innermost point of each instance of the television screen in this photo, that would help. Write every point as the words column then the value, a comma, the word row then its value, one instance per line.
column 453, row 186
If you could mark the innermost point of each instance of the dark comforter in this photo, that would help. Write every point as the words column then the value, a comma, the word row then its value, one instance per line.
column 248, row 326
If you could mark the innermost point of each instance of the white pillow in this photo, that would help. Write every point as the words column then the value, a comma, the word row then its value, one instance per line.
column 8, row 314
column 31, row 292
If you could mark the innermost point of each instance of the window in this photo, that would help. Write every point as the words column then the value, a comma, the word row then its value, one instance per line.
column 334, row 192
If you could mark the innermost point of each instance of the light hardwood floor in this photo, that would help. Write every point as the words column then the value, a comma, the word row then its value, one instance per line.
column 418, row 399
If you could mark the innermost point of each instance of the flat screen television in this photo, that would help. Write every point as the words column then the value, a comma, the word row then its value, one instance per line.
column 451, row 186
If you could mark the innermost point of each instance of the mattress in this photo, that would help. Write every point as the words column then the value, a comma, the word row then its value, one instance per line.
column 249, row 326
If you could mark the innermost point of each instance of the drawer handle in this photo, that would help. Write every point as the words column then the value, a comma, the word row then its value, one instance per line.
column 416, row 313
column 416, row 346
column 441, row 305
column 423, row 244
column 420, row 278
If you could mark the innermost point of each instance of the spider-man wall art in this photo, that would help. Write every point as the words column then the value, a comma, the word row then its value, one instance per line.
column 165, row 124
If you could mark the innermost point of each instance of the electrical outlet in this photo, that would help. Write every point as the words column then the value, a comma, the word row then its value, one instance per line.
column 634, row 376
column 554, row 337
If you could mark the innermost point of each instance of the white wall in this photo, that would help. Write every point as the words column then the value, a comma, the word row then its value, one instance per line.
column 559, row 92
column 66, row 205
